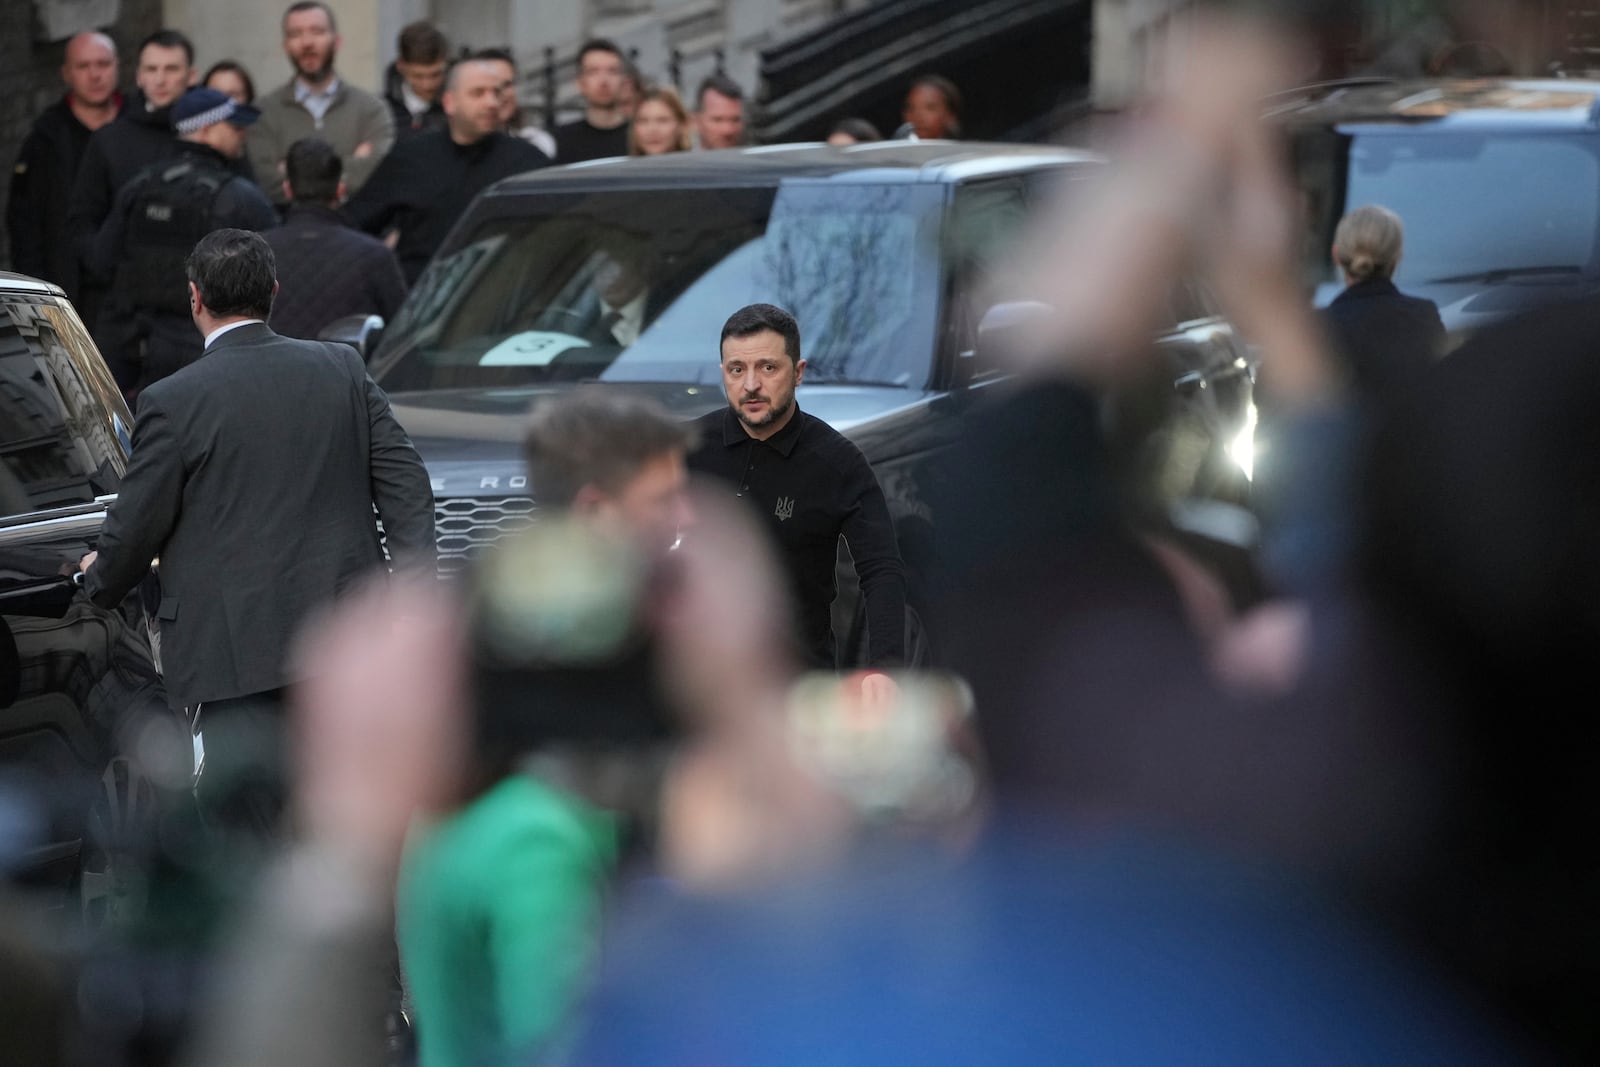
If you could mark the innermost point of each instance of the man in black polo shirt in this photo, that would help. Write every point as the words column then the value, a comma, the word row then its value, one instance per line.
column 811, row 484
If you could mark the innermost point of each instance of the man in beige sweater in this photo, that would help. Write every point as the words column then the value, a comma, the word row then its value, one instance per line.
column 317, row 102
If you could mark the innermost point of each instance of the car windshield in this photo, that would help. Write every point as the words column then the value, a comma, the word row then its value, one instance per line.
column 1474, row 205
column 62, row 432
column 635, row 286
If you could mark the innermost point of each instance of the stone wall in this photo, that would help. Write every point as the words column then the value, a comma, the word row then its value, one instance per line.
column 30, row 73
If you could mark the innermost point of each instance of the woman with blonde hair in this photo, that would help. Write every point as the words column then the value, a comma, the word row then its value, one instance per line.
column 1385, row 337
column 660, row 124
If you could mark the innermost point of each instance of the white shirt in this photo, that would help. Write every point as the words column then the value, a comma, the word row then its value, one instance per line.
column 220, row 330
column 630, row 319
column 414, row 103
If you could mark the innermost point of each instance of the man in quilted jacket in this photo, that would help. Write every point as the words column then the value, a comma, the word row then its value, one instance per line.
column 327, row 269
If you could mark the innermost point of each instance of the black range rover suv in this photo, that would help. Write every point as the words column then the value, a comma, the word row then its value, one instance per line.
column 622, row 271
column 79, row 686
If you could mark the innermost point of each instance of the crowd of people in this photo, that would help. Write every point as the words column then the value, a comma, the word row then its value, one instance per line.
column 97, row 198
column 590, row 802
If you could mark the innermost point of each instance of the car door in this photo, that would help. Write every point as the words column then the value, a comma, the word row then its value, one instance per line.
column 81, row 683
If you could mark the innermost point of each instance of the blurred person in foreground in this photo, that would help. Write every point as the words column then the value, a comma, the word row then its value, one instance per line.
column 512, row 119
column 808, row 482
column 660, row 125
column 500, row 901
column 385, row 729
column 719, row 113
column 326, row 268
column 428, row 181
column 47, row 163
column 602, row 132
column 1169, row 877
column 1386, row 338
column 227, row 76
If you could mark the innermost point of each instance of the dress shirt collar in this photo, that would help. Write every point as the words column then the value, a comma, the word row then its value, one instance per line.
column 733, row 431
column 304, row 92
column 220, row 330
column 630, row 319
column 316, row 101
column 414, row 103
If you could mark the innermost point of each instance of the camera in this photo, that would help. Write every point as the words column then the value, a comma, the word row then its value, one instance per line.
column 561, row 642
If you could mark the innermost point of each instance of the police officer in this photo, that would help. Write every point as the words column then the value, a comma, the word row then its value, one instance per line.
column 810, row 484
column 146, row 332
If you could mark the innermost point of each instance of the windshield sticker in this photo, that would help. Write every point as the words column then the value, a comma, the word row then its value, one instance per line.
column 535, row 348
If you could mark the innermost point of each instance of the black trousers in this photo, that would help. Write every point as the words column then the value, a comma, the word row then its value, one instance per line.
column 242, row 790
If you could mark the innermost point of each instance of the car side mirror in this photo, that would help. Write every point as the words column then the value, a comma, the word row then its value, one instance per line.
column 360, row 332
column 1000, row 332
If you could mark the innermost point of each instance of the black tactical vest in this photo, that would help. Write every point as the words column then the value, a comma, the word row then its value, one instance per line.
column 170, row 211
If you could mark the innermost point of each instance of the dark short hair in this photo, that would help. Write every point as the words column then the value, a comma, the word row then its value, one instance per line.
column 860, row 129
column 944, row 87
column 754, row 318
column 313, row 169
column 720, row 84
column 597, row 436
column 168, row 39
column 421, row 42
column 226, row 66
column 599, row 44
column 312, row 5
column 452, row 73
column 496, row 55
column 234, row 271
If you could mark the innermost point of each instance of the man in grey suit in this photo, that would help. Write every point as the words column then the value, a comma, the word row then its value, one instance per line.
column 253, row 477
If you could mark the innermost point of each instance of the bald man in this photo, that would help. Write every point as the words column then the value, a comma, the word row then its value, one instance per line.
column 47, row 165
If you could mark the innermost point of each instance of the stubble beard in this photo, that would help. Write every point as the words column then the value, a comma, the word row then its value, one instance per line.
column 321, row 74
column 774, row 413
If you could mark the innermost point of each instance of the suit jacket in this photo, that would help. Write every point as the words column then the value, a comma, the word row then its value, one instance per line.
column 254, row 476
column 1384, row 337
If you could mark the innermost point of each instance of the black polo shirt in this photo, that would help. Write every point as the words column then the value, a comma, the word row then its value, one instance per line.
column 812, row 486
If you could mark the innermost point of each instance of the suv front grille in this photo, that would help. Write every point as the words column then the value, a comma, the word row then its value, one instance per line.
column 466, row 526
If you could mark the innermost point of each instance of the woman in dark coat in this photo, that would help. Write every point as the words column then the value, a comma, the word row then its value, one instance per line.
column 1385, row 337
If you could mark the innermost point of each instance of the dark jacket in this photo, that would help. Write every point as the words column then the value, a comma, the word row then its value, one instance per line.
column 41, row 184
column 116, row 152
column 1384, row 337
column 328, row 269
column 143, row 338
column 426, row 183
column 405, row 123
column 811, row 485
column 254, row 475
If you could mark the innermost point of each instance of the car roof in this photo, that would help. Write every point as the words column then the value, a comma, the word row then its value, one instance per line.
column 1507, row 104
column 11, row 282
column 878, row 161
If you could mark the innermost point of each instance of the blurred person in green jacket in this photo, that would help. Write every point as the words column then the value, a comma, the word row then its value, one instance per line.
column 500, row 903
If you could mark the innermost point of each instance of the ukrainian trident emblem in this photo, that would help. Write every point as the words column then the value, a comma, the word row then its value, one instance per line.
column 785, row 508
